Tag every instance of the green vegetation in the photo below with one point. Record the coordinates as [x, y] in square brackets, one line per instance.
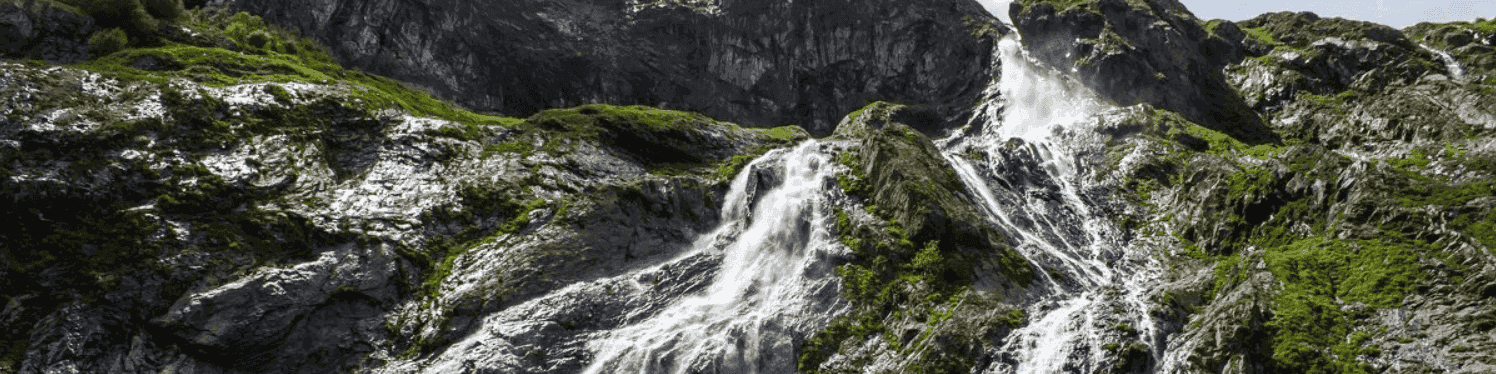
[1299, 30]
[1215, 142]
[1311, 329]
[12, 352]
[269, 54]
[108, 41]
[1261, 35]
[786, 133]
[1325, 276]
[1416, 160]
[1213, 25]
[914, 259]
[1319, 276]
[141, 18]
[1062, 6]
[515, 145]
[478, 201]
[238, 226]
[726, 170]
[1337, 103]
[1486, 26]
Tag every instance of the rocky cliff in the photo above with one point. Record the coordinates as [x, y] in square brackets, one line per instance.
[1107, 186]
[756, 63]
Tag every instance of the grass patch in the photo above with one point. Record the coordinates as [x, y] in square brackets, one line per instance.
[1215, 142]
[1415, 160]
[786, 133]
[1320, 275]
[1261, 34]
[239, 48]
[1337, 103]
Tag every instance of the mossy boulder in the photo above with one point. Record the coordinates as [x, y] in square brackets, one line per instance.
[909, 181]
[907, 177]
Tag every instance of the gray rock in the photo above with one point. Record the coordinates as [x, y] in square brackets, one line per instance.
[758, 64]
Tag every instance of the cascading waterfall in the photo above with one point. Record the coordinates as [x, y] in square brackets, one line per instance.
[1449, 62]
[766, 294]
[1030, 179]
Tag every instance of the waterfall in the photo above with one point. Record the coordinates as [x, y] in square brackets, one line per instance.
[769, 291]
[1449, 62]
[1034, 139]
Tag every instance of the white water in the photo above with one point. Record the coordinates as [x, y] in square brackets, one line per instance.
[1449, 62]
[1037, 200]
[764, 295]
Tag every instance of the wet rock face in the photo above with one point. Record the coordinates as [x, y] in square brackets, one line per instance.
[756, 63]
[1152, 52]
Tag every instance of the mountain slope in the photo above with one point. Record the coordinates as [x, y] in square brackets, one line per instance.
[1109, 186]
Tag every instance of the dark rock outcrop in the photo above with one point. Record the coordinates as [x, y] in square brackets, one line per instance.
[756, 63]
[32, 29]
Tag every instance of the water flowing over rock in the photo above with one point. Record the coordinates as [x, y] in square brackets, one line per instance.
[1032, 162]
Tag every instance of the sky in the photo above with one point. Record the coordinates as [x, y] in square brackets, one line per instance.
[1395, 13]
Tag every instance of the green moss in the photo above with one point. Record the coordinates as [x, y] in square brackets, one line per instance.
[1319, 275]
[1249, 183]
[1261, 35]
[281, 56]
[730, 168]
[141, 18]
[516, 145]
[108, 41]
[1416, 159]
[1482, 230]
[1216, 142]
[1337, 103]
[918, 252]
[441, 252]
[851, 182]
[1062, 6]
[280, 94]
[787, 133]
[1428, 192]
[594, 117]
[1213, 25]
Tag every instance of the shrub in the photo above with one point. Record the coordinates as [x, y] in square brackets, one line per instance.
[259, 39]
[139, 19]
[108, 41]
